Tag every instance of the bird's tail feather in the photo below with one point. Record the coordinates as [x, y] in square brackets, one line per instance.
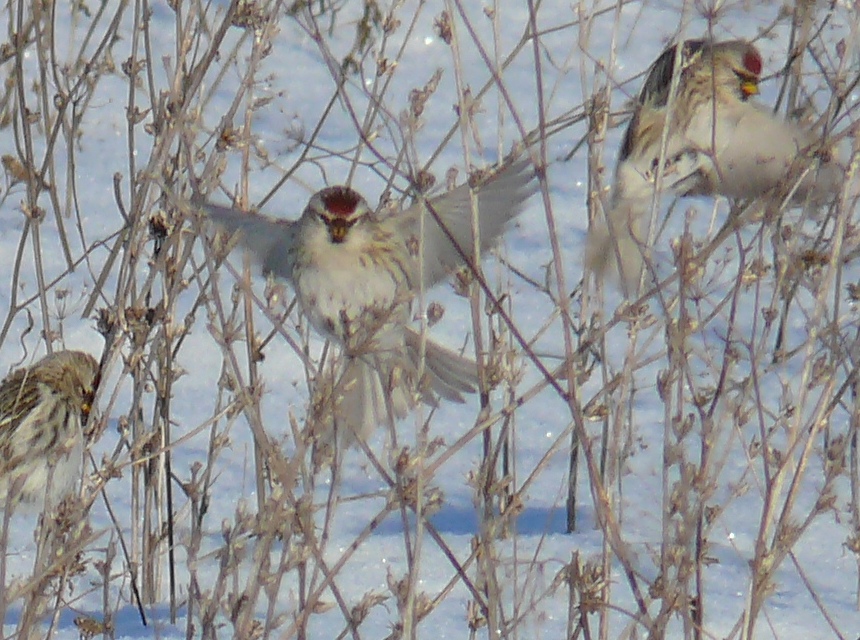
[614, 246]
[377, 389]
[361, 397]
[449, 375]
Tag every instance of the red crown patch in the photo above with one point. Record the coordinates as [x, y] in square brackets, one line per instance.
[752, 62]
[340, 201]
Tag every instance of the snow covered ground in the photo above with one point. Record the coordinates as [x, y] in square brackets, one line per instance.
[797, 406]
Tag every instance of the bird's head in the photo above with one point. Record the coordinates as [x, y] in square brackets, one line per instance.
[743, 61]
[82, 375]
[72, 374]
[733, 64]
[338, 208]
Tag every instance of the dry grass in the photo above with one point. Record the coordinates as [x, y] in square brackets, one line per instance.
[735, 382]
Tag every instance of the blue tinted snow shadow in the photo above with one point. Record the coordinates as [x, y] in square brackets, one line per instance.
[463, 520]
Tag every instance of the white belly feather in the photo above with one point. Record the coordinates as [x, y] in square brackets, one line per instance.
[348, 296]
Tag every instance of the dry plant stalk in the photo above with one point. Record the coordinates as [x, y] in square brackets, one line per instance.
[683, 378]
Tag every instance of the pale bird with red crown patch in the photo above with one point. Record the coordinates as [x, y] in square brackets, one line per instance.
[719, 142]
[356, 272]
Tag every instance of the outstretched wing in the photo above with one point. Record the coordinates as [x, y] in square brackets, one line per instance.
[499, 200]
[270, 240]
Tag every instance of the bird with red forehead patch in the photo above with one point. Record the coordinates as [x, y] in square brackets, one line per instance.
[696, 131]
[356, 272]
[706, 70]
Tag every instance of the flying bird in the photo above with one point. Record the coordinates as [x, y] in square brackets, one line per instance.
[356, 273]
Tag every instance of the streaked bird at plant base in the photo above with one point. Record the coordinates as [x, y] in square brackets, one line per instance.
[356, 272]
[43, 408]
[718, 141]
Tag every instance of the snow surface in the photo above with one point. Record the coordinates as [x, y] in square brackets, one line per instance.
[298, 88]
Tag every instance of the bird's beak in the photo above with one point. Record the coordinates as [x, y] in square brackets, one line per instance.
[749, 88]
[87, 404]
[337, 229]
